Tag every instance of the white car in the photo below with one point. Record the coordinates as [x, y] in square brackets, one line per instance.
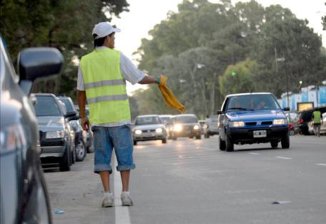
[148, 128]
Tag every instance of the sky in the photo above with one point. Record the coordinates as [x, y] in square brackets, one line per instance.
[145, 14]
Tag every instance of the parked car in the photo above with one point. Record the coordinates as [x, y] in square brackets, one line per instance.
[87, 135]
[248, 118]
[186, 125]
[79, 140]
[56, 136]
[23, 192]
[149, 127]
[212, 128]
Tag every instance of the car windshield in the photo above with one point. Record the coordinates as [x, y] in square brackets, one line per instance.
[252, 102]
[186, 119]
[46, 106]
[147, 120]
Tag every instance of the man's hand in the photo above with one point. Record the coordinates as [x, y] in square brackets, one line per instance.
[84, 123]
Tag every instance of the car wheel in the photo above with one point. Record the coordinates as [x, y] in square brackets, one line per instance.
[164, 141]
[80, 151]
[274, 144]
[229, 146]
[285, 142]
[221, 144]
[135, 142]
[65, 162]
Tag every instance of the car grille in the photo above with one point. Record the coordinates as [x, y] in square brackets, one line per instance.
[259, 123]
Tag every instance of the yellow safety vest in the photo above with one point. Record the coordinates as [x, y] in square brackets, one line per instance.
[316, 117]
[105, 87]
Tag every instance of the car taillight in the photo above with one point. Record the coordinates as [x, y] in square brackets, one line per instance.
[301, 121]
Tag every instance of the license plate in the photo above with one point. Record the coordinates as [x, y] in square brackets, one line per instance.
[260, 134]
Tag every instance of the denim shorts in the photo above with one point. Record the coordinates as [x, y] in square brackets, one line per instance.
[107, 139]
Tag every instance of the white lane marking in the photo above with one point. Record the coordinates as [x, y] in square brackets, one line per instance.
[121, 212]
[253, 153]
[283, 157]
[321, 164]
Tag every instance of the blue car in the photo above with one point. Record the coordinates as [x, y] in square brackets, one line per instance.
[249, 118]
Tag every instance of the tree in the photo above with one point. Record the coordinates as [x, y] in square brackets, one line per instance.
[238, 78]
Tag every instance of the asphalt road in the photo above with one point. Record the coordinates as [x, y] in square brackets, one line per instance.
[191, 181]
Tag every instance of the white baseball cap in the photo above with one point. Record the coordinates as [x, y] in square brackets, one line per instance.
[104, 29]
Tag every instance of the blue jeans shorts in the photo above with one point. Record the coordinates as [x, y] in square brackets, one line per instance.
[107, 139]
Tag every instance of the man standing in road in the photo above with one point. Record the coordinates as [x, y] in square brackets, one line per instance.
[316, 120]
[101, 82]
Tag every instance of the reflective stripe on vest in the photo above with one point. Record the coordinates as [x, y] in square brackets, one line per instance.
[105, 87]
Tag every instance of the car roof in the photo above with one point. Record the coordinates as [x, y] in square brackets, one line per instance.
[246, 94]
[148, 115]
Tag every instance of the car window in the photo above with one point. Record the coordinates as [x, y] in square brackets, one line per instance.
[186, 119]
[47, 106]
[69, 106]
[147, 120]
[252, 102]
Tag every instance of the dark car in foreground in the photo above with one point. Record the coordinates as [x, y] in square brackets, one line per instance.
[186, 125]
[23, 192]
[248, 118]
[149, 127]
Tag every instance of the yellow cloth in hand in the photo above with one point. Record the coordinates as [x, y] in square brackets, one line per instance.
[168, 96]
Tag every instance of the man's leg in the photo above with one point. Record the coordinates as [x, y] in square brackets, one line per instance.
[125, 175]
[105, 178]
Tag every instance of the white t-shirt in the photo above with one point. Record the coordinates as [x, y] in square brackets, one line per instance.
[128, 70]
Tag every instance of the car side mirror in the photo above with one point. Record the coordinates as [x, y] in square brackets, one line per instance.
[37, 62]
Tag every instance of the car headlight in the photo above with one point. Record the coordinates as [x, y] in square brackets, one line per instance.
[196, 127]
[55, 134]
[158, 130]
[280, 121]
[177, 128]
[138, 132]
[236, 124]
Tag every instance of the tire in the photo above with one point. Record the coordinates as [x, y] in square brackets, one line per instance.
[135, 142]
[285, 142]
[65, 162]
[80, 151]
[164, 141]
[221, 144]
[90, 149]
[229, 146]
[274, 144]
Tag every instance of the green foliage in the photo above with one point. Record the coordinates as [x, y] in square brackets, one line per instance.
[238, 78]
[63, 24]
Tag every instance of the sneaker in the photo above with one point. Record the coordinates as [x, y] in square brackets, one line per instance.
[125, 199]
[108, 201]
